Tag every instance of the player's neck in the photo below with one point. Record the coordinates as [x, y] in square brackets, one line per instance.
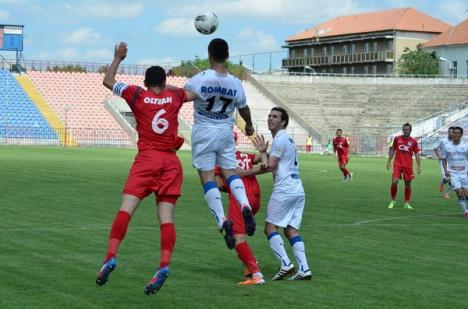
[218, 67]
[156, 90]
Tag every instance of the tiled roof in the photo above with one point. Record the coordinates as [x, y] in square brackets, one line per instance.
[404, 19]
[457, 35]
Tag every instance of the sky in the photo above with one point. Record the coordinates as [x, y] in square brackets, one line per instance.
[159, 32]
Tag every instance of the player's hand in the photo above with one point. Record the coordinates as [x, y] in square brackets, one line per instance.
[259, 143]
[447, 174]
[418, 170]
[249, 130]
[388, 166]
[120, 51]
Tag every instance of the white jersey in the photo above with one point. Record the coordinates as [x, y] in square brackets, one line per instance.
[219, 95]
[456, 156]
[441, 144]
[286, 176]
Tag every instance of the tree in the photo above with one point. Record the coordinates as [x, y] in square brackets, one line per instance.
[190, 68]
[418, 62]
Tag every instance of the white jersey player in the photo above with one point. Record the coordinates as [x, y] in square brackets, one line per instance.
[287, 200]
[439, 147]
[455, 163]
[218, 95]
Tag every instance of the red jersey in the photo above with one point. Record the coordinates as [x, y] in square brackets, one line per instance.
[156, 115]
[403, 149]
[341, 146]
[244, 162]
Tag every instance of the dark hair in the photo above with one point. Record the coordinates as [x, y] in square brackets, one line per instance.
[218, 50]
[155, 76]
[339, 130]
[407, 125]
[451, 128]
[284, 115]
[458, 128]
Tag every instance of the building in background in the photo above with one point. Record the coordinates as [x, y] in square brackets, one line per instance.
[368, 43]
[451, 48]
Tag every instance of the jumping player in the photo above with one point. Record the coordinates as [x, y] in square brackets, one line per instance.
[218, 95]
[341, 150]
[403, 148]
[156, 168]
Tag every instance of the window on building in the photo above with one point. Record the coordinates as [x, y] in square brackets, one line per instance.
[466, 68]
[374, 46]
[311, 52]
[374, 69]
[306, 52]
[351, 70]
[344, 70]
[353, 48]
[292, 53]
[366, 47]
[366, 69]
[332, 50]
[324, 51]
[324, 70]
[389, 45]
[345, 49]
[454, 68]
[388, 68]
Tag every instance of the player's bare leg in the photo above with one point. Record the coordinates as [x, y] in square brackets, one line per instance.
[462, 195]
[213, 199]
[117, 233]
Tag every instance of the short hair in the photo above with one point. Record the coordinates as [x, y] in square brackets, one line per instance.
[284, 115]
[339, 130]
[451, 128]
[218, 50]
[458, 128]
[155, 76]
[407, 125]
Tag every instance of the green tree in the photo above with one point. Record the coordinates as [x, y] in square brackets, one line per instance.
[418, 62]
[190, 68]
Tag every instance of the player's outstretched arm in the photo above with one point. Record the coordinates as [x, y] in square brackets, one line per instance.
[120, 52]
[418, 162]
[244, 112]
[191, 96]
[390, 157]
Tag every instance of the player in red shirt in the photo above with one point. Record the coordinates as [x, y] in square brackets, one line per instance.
[341, 150]
[156, 168]
[245, 163]
[403, 148]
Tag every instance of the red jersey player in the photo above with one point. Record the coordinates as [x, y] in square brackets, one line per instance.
[156, 168]
[341, 150]
[403, 148]
[245, 163]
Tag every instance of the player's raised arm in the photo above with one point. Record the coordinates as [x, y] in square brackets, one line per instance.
[244, 112]
[120, 52]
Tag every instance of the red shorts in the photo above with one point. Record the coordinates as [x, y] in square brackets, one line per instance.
[343, 160]
[235, 214]
[405, 173]
[155, 171]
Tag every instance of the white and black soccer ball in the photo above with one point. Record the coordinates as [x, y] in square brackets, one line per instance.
[206, 23]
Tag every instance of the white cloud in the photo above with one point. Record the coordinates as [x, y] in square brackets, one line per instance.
[4, 14]
[75, 55]
[256, 41]
[177, 27]
[83, 36]
[110, 9]
[454, 10]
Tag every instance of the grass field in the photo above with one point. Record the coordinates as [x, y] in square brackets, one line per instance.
[57, 206]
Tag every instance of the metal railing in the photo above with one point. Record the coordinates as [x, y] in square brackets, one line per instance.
[339, 59]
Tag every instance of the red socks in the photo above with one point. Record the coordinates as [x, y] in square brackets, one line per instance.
[117, 233]
[393, 191]
[168, 239]
[407, 195]
[246, 256]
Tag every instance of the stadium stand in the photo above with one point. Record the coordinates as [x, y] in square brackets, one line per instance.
[20, 121]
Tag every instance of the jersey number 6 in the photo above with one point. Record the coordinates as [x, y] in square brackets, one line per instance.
[159, 125]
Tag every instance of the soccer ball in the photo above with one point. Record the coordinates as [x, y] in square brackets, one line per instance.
[206, 23]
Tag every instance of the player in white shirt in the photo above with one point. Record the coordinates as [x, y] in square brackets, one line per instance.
[219, 94]
[439, 147]
[287, 200]
[454, 161]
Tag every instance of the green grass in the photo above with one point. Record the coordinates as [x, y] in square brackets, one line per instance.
[57, 206]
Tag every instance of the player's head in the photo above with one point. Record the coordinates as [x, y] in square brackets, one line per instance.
[450, 133]
[457, 134]
[278, 119]
[406, 129]
[155, 76]
[339, 132]
[218, 50]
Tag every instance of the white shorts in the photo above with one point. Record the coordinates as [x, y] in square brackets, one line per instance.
[285, 210]
[213, 146]
[459, 180]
